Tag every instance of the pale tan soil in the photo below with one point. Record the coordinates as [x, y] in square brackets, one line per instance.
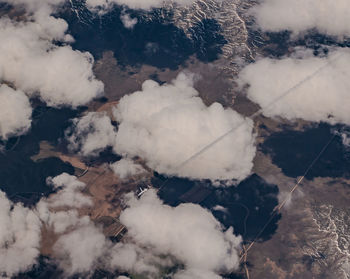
[211, 82]
[102, 185]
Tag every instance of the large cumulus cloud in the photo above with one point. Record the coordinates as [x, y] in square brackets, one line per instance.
[188, 232]
[322, 92]
[36, 59]
[327, 16]
[57, 74]
[15, 112]
[165, 125]
[20, 235]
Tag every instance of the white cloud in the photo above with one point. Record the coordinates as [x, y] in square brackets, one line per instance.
[19, 237]
[345, 139]
[287, 198]
[32, 63]
[344, 134]
[195, 273]
[30, 59]
[80, 243]
[59, 75]
[69, 193]
[15, 112]
[188, 232]
[323, 97]
[165, 125]
[91, 134]
[35, 5]
[39, 11]
[103, 5]
[128, 22]
[67, 220]
[59, 210]
[132, 258]
[79, 250]
[82, 247]
[126, 167]
[327, 16]
[158, 236]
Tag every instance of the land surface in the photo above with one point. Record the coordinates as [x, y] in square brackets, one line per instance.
[312, 239]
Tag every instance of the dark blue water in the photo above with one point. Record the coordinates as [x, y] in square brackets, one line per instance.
[153, 41]
[44, 269]
[172, 188]
[22, 178]
[233, 276]
[249, 205]
[293, 152]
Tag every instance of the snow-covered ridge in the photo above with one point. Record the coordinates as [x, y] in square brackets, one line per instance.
[231, 15]
[335, 225]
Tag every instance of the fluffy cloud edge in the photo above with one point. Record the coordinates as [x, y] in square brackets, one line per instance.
[300, 16]
[317, 87]
[145, 118]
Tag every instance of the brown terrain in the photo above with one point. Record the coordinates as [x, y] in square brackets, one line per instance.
[312, 239]
[212, 84]
[102, 185]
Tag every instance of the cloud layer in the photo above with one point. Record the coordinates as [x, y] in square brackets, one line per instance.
[167, 124]
[15, 112]
[327, 16]
[158, 236]
[322, 97]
